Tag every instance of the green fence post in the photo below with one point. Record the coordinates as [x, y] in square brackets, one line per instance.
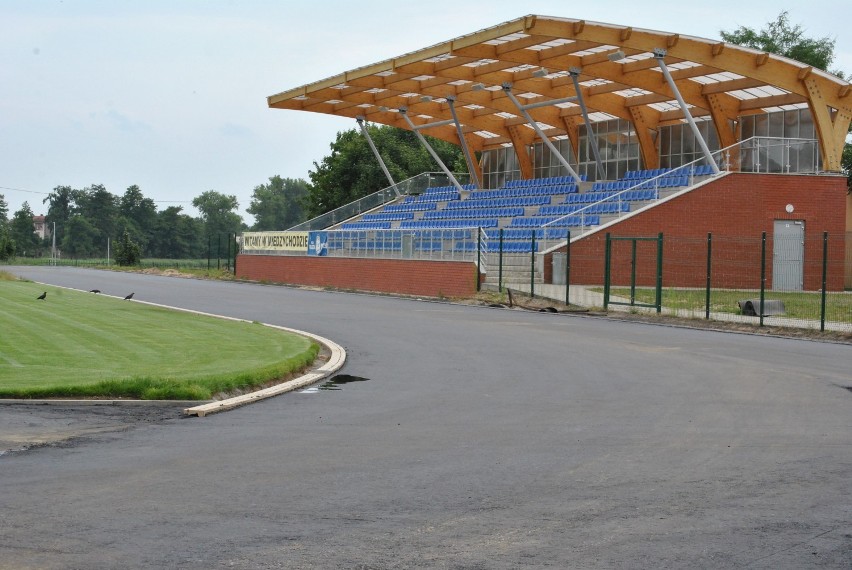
[762, 274]
[218, 251]
[500, 271]
[532, 266]
[660, 274]
[607, 248]
[568, 269]
[709, 256]
[824, 280]
[208, 252]
[633, 272]
[478, 259]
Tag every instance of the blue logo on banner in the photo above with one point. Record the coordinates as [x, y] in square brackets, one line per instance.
[318, 243]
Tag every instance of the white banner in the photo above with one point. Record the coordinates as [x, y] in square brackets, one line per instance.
[275, 241]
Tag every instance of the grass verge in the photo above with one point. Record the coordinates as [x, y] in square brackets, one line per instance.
[797, 305]
[75, 344]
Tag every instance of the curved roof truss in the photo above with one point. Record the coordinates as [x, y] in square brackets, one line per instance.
[717, 80]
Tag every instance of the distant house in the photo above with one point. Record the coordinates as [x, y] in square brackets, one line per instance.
[41, 227]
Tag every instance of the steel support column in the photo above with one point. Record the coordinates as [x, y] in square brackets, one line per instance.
[404, 112]
[471, 167]
[659, 54]
[508, 89]
[376, 153]
[574, 72]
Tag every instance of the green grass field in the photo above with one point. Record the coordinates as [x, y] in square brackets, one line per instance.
[801, 305]
[75, 344]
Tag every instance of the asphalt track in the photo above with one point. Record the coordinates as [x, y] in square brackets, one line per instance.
[481, 438]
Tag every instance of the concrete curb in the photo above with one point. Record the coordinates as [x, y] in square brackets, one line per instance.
[335, 363]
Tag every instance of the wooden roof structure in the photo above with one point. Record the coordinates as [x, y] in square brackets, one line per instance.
[717, 80]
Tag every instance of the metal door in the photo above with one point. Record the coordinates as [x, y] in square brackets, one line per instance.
[788, 255]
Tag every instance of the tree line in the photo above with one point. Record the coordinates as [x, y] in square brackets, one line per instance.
[86, 219]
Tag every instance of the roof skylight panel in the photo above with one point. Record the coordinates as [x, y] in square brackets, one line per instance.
[506, 39]
[440, 58]
[550, 45]
[522, 67]
[479, 62]
[596, 49]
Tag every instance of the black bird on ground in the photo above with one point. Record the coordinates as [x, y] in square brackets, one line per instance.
[42, 296]
[95, 291]
[129, 297]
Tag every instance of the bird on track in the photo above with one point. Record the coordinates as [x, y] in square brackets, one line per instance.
[129, 297]
[42, 296]
[95, 291]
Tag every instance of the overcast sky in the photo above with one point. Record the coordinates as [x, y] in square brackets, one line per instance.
[171, 95]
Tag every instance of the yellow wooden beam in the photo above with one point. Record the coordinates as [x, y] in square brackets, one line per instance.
[644, 123]
[522, 152]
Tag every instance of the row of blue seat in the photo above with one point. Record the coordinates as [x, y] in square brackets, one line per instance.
[526, 201]
[397, 235]
[564, 221]
[434, 189]
[388, 217]
[411, 207]
[450, 224]
[542, 181]
[366, 225]
[613, 207]
[526, 191]
[494, 246]
[588, 197]
[527, 233]
[433, 197]
[474, 213]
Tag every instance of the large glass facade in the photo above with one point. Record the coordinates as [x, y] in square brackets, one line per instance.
[499, 166]
[789, 144]
[618, 148]
[677, 144]
[546, 165]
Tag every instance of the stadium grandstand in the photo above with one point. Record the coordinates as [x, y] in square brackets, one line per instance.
[573, 131]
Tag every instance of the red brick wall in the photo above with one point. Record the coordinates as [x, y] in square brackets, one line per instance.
[408, 277]
[735, 209]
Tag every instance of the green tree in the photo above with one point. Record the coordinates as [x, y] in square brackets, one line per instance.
[60, 207]
[177, 235]
[22, 232]
[351, 171]
[127, 251]
[137, 215]
[100, 208]
[4, 211]
[218, 216]
[82, 238]
[781, 38]
[278, 205]
[7, 244]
